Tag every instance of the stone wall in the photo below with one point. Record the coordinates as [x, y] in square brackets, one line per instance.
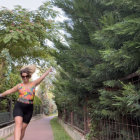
[76, 135]
[4, 132]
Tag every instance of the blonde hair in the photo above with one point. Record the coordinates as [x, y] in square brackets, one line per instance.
[29, 69]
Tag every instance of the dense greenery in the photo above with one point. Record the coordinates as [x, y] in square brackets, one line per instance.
[37, 101]
[102, 46]
[24, 32]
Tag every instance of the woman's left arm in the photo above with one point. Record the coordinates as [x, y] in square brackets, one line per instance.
[38, 81]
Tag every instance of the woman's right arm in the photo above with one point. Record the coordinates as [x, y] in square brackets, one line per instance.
[10, 91]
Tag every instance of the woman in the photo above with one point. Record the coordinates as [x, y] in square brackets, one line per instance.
[23, 109]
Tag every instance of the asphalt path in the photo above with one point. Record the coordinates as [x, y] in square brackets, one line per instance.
[39, 129]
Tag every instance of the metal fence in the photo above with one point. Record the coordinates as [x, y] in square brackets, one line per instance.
[125, 128]
[78, 119]
[120, 128]
[5, 118]
[6, 115]
[37, 110]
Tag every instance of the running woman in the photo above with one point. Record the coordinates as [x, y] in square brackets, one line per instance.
[23, 108]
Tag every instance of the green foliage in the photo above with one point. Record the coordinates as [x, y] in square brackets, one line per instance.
[123, 101]
[14, 79]
[128, 100]
[37, 101]
[112, 83]
[24, 32]
[6, 61]
[102, 47]
[23, 36]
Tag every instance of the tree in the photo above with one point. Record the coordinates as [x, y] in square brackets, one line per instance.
[24, 32]
[23, 36]
[103, 46]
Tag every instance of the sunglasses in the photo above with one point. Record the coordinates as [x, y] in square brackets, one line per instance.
[27, 76]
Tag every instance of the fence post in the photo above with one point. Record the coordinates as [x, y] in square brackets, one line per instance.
[41, 112]
[64, 115]
[88, 123]
[10, 109]
[85, 119]
[71, 118]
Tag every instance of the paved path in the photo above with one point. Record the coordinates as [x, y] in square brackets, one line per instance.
[38, 130]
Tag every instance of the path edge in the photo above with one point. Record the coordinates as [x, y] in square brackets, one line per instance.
[75, 135]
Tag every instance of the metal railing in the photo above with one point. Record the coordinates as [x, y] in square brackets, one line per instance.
[78, 119]
[37, 110]
[5, 118]
[6, 115]
[120, 128]
[125, 128]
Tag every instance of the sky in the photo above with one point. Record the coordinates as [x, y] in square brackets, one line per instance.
[28, 4]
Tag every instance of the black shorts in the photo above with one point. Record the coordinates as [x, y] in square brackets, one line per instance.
[23, 110]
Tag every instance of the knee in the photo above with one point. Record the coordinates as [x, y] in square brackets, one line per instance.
[19, 125]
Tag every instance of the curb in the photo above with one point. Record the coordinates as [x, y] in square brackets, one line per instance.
[75, 135]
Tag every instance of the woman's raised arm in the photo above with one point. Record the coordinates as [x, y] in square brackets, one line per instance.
[36, 82]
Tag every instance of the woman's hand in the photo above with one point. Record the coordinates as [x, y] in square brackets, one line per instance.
[50, 69]
[36, 82]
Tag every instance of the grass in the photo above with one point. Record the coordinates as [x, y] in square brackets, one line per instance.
[54, 114]
[58, 131]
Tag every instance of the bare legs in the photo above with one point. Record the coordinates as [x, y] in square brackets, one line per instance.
[24, 126]
[20, 128]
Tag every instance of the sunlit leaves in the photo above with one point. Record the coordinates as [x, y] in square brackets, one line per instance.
[22, 30]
